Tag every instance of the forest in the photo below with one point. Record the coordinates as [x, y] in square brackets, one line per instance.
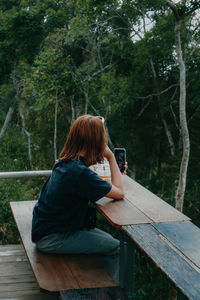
[134, 62]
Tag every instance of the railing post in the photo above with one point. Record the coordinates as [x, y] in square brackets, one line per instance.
[127, 265]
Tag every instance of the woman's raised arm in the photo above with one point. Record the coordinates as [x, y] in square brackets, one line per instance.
[117, 191]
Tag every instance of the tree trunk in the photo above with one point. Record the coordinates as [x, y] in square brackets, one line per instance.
[167, 131]
[76, 108]
[86, 100]
[55, 126]
[27, 134]
[6, 122]
[179, 196]
[72, 110]
[180, 191]
[168, 134]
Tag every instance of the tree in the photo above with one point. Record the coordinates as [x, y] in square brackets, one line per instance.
[180, 13]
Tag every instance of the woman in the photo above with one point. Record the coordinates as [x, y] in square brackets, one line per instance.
[59, 215]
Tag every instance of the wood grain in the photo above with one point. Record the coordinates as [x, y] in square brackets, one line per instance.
[14, 268]
[121, 212]
[149, 204]
[26, 293]
[55, 272]
[9, 253]
[185, 236]
[182, 274]
[87, 268]
[17, 281]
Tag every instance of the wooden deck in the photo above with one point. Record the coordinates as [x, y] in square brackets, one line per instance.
[17, 281]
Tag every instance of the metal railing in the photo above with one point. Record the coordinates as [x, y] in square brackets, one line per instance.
[21, 174]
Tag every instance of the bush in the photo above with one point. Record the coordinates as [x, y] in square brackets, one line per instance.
[14, 190]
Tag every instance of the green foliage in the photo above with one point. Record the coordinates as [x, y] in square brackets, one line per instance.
[21, 190]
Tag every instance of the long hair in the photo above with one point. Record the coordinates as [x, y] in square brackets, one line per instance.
[87, 139]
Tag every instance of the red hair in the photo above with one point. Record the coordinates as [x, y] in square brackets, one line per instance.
[87, 139]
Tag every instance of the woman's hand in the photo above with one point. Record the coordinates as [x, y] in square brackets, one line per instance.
[109, 155]
[125, 167]
[117, 190]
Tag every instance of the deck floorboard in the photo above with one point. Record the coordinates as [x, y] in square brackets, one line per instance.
[17, 281]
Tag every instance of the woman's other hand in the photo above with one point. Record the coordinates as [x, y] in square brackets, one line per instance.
[126, 167]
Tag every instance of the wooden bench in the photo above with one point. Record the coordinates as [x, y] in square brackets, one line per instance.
[67, 275]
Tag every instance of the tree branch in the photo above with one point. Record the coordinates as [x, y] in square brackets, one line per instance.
[173, 8]
[143, 109]
[158, 94]
[6, 122]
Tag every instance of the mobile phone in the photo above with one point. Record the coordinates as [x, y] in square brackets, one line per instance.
[120, 156]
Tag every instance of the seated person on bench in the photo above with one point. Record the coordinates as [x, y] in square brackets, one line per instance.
[59, 214]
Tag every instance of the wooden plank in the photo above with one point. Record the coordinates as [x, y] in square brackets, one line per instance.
[11, 247]
[14, 268]
[149, 204]
[169, 261]
[53, 272]
[111, 293]
[121, 212]
[5, 295]
[185, 236]
[15, 280]
[86, 268]
[12, 258]
[20, 286]
[11, 254]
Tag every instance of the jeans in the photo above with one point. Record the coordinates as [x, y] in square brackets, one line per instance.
[84, 241]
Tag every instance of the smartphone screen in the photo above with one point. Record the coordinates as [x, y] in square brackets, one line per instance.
[120, 156]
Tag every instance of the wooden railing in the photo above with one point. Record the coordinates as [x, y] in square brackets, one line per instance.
[166, 236]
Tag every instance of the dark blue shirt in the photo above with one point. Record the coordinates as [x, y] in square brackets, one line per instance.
[64, 198]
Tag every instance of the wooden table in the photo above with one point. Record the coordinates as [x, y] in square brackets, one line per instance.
[140, 206]
[167, 236]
